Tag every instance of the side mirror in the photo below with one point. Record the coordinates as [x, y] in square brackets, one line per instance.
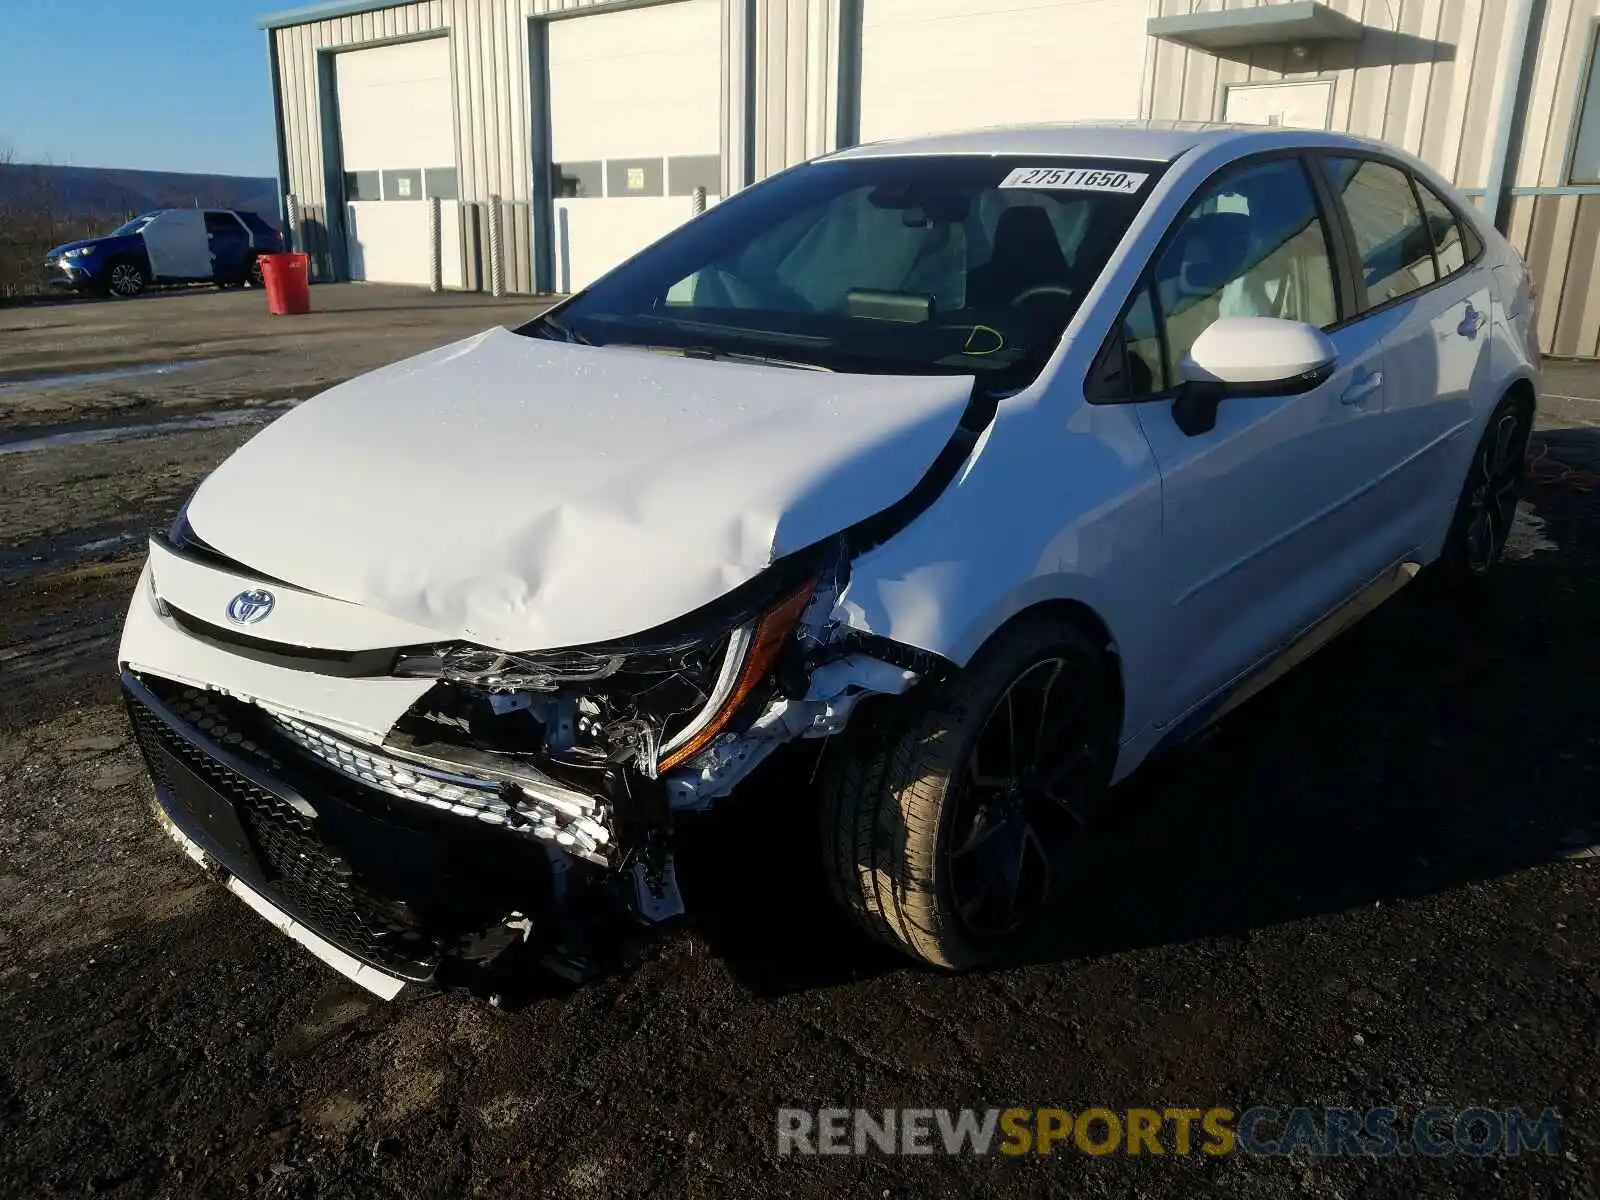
[1249, 356]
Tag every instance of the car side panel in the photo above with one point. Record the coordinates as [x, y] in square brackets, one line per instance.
[114, 249]
[1271, 520]
[1059, 502]
[1092, 532]
[1506, 352]
[1439, 366]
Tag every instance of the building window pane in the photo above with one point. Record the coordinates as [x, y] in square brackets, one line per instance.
[402, 185]
[577, 180]
[1252, 245]
[1396, 248]
[441, 182]
[635, 177]
[689, 171]
[1586, 149]
[361, 185]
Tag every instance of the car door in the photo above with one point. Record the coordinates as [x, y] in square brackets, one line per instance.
[1264, 526]
[229, 243]
[1421, 286]
[176, 244]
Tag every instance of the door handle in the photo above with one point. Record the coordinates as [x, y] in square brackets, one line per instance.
[1471, 323]
[1358, 392]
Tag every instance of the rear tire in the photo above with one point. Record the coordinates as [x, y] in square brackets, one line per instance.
[1487, 507]
[250, 279]
[948, 822]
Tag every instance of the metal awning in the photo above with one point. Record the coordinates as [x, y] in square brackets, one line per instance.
[1297, 21]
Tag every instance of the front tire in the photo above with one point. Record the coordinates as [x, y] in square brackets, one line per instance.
[948, 824]
[126, 279]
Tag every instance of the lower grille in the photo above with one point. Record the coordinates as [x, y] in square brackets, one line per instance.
[575, 830]
[301, 873]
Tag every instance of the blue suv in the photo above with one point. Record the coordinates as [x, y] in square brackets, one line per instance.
[173, 245]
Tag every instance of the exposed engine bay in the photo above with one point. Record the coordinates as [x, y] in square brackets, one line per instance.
[582, 757]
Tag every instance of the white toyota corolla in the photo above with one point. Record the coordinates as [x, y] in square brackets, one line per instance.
[1002, 459]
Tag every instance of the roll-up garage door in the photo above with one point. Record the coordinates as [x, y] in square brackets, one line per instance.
[934, 65]
[397, 138]
[635, 128]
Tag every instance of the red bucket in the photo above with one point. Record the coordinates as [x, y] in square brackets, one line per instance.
[288, 280]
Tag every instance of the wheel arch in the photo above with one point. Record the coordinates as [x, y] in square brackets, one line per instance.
[1086, 618]
[958, 636]
[1522, 391]
[129, 254]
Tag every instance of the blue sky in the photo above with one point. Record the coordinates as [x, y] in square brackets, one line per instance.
[164, 85]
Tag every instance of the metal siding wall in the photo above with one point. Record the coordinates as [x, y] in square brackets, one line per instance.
[1555, 76]
[1559, 235]
[1445, 110]
[1427, 76]
[796, 80]
[490, 65]
[795, 101]
[738, 135]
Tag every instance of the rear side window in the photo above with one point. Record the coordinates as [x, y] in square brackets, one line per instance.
[222, 222]
[1395, 246]
[255, 223]
[1451, 244]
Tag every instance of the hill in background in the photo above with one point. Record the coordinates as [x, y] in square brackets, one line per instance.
[115, 194]
[43, 206]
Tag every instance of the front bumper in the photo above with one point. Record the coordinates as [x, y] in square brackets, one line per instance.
[384, 892]
[67, 273]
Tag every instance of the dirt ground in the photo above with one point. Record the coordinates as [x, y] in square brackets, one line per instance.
[1377, 884]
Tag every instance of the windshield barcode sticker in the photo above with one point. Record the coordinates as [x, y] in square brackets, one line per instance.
[1075, 179]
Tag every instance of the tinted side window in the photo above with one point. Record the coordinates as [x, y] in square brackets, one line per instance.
[1449, 242]
[1252, 245]
[1141, 335]
[222, 222]
[1396, 248]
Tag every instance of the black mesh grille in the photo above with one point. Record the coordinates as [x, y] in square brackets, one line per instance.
[303, 874]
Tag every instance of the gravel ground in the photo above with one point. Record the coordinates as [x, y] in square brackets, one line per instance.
[1371, 887]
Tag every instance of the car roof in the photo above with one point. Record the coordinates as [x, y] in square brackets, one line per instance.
[1147, 141]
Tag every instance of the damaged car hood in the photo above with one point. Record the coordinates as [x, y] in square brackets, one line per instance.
[527, 494]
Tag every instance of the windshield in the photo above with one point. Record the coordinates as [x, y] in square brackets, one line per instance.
[133, 226]
[915, 265]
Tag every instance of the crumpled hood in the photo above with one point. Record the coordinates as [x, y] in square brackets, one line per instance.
[527, 494]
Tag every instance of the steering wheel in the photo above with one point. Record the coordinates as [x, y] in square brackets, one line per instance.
[1043, 289]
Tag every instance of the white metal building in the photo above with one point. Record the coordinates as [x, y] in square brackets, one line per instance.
[592, 122]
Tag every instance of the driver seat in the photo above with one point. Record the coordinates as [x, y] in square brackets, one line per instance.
[1027, 253]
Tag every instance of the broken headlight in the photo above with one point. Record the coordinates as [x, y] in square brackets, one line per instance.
[497, 671]
[655, 701]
